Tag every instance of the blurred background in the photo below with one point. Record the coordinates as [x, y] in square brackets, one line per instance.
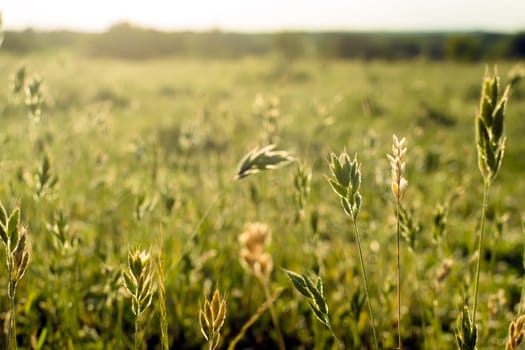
[393, 29]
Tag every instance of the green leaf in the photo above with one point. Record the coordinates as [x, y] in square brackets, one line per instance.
[3, 215]
[497, 125]
[346, 206]
[13, 229]
[129, 283]
[316, 294]
[357, 201]
[486, 110]
[323, 318]
[298, 283]
[338, 189]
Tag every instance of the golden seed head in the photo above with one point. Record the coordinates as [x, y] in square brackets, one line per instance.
[212, 317]
[397, 163]
[255, 237]
[516, 333]
[252, 254]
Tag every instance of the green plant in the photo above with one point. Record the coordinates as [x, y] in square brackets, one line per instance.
[467, 332]
[490, 142]
[315, 294]
[302, 184]
[345, 181]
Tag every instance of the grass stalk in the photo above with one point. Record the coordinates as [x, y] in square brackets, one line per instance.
[480, 248]
[260, 310]
[365, 280]
[162, 296]
[398, 275]
[11, 332]
[399, 184]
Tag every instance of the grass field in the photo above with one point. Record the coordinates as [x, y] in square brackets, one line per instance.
[149, 149]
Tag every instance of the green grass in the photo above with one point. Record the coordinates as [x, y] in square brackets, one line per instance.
[175, 129]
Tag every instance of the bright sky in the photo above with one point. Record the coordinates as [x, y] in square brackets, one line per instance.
[268, 15]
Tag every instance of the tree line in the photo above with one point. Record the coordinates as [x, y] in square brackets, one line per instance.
[128, 41]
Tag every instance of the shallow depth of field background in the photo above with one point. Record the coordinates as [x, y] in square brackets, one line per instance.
[144, 130]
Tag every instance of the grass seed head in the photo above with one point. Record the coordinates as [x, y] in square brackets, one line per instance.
[252, 254]
[139, 280]
[212, 317]
[397, 163]
[490, 137]
[265, 158]
[516, 333]
[345, 181]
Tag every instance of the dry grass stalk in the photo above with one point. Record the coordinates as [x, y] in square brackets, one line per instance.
[139, 283]
[516, 333]
[399, 184]
[14, 237]
[211, 319]
[397, 163]
[162, 296]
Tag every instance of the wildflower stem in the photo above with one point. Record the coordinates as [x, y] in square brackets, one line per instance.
[480, 247]
[400, 346]
[365, 279]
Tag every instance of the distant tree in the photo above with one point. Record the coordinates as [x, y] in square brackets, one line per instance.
[515, 46]
[463, 48]
[290, 45]
[128, 41]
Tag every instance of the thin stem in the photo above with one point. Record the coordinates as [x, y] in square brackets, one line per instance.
[363, 271]
[11, 333]
[400, 346]
[338, 341]
[520, 306]
[162, 295]
[254, 318]
[480, 247]
[275, 320]
[137, 346]
[137, 340]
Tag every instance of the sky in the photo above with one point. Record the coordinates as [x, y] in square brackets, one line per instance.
[268, 15]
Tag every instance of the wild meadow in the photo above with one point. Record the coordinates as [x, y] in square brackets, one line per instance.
[156, 214]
